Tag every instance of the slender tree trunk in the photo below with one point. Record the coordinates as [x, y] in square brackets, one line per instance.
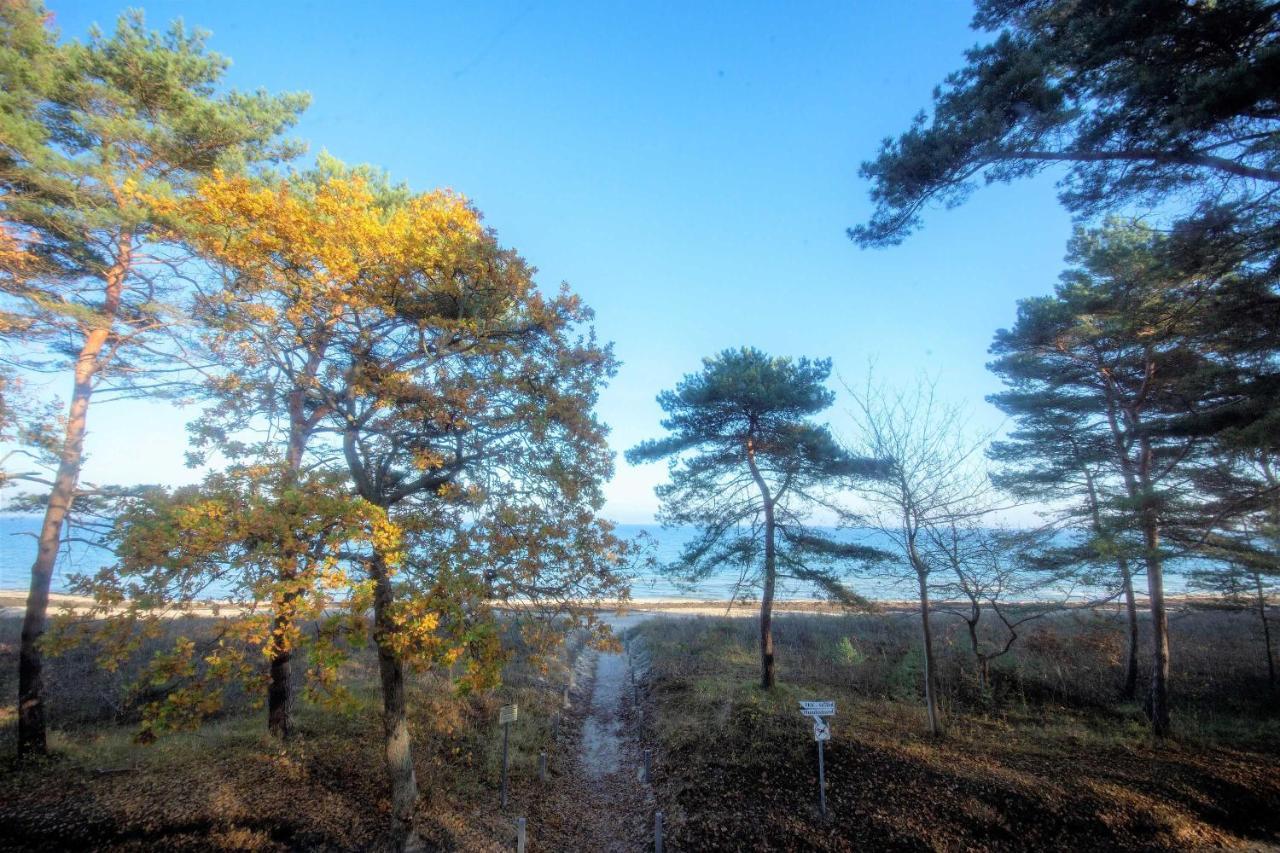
[1158, 701]
[1266, 629]
[1138, 488]
[395, 722]
[926, 633]
[31, 712]
[1130, 687]
[1269, 473]
[984, 681]
[767, 675]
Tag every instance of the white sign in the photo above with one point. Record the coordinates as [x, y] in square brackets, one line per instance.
[507, 714]
[818, 709]
[821, 731]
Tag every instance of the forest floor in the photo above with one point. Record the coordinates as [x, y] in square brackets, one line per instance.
[1046, 759]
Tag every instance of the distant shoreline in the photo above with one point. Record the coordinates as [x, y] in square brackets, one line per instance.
[13, 603]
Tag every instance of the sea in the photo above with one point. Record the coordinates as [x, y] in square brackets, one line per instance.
[17, 550]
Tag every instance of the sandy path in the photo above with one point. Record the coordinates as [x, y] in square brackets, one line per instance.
[597, 801]
[602, 733]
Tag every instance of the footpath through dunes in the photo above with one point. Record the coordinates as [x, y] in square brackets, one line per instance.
[598, 798]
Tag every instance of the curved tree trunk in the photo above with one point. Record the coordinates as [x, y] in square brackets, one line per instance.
[32, 738]
[301, 426]
[767, 675]
[395, 723]
[1138, 488]
[31, 716]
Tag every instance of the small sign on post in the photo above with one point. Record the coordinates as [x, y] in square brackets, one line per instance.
[821, 733]
[506, 716]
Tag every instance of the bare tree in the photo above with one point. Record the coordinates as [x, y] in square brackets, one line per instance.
[936, 482]
[987, 573]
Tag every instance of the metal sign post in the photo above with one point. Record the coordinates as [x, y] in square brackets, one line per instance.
[821, 734]
[506, 717]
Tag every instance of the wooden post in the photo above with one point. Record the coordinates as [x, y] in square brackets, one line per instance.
[542, 766]
[657, 832]
[506, 730]
[520, 835]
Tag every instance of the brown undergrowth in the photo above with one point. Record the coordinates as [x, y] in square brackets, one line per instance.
[230, 786]
[1047, 760]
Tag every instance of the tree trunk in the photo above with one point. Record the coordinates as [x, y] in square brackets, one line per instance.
[1138, 488]
[32, 738]
[395, 723]
[1130, 687]
[1266, 629]
[1158, 701]
[280, 689]
[983, 662]
[767, 675]
[926, 631]
[1269, 472]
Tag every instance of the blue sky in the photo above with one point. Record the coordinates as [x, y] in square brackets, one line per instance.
[690, 169]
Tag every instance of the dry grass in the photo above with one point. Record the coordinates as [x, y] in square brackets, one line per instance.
[1047, 760]
[230, 786]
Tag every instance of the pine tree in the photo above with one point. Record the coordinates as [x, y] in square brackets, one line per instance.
[748, 467]
[125, 118]
[1141, 102]
[1114, 354]
[1053, 456]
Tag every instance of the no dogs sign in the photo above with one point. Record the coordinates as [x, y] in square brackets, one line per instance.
[821, 730]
